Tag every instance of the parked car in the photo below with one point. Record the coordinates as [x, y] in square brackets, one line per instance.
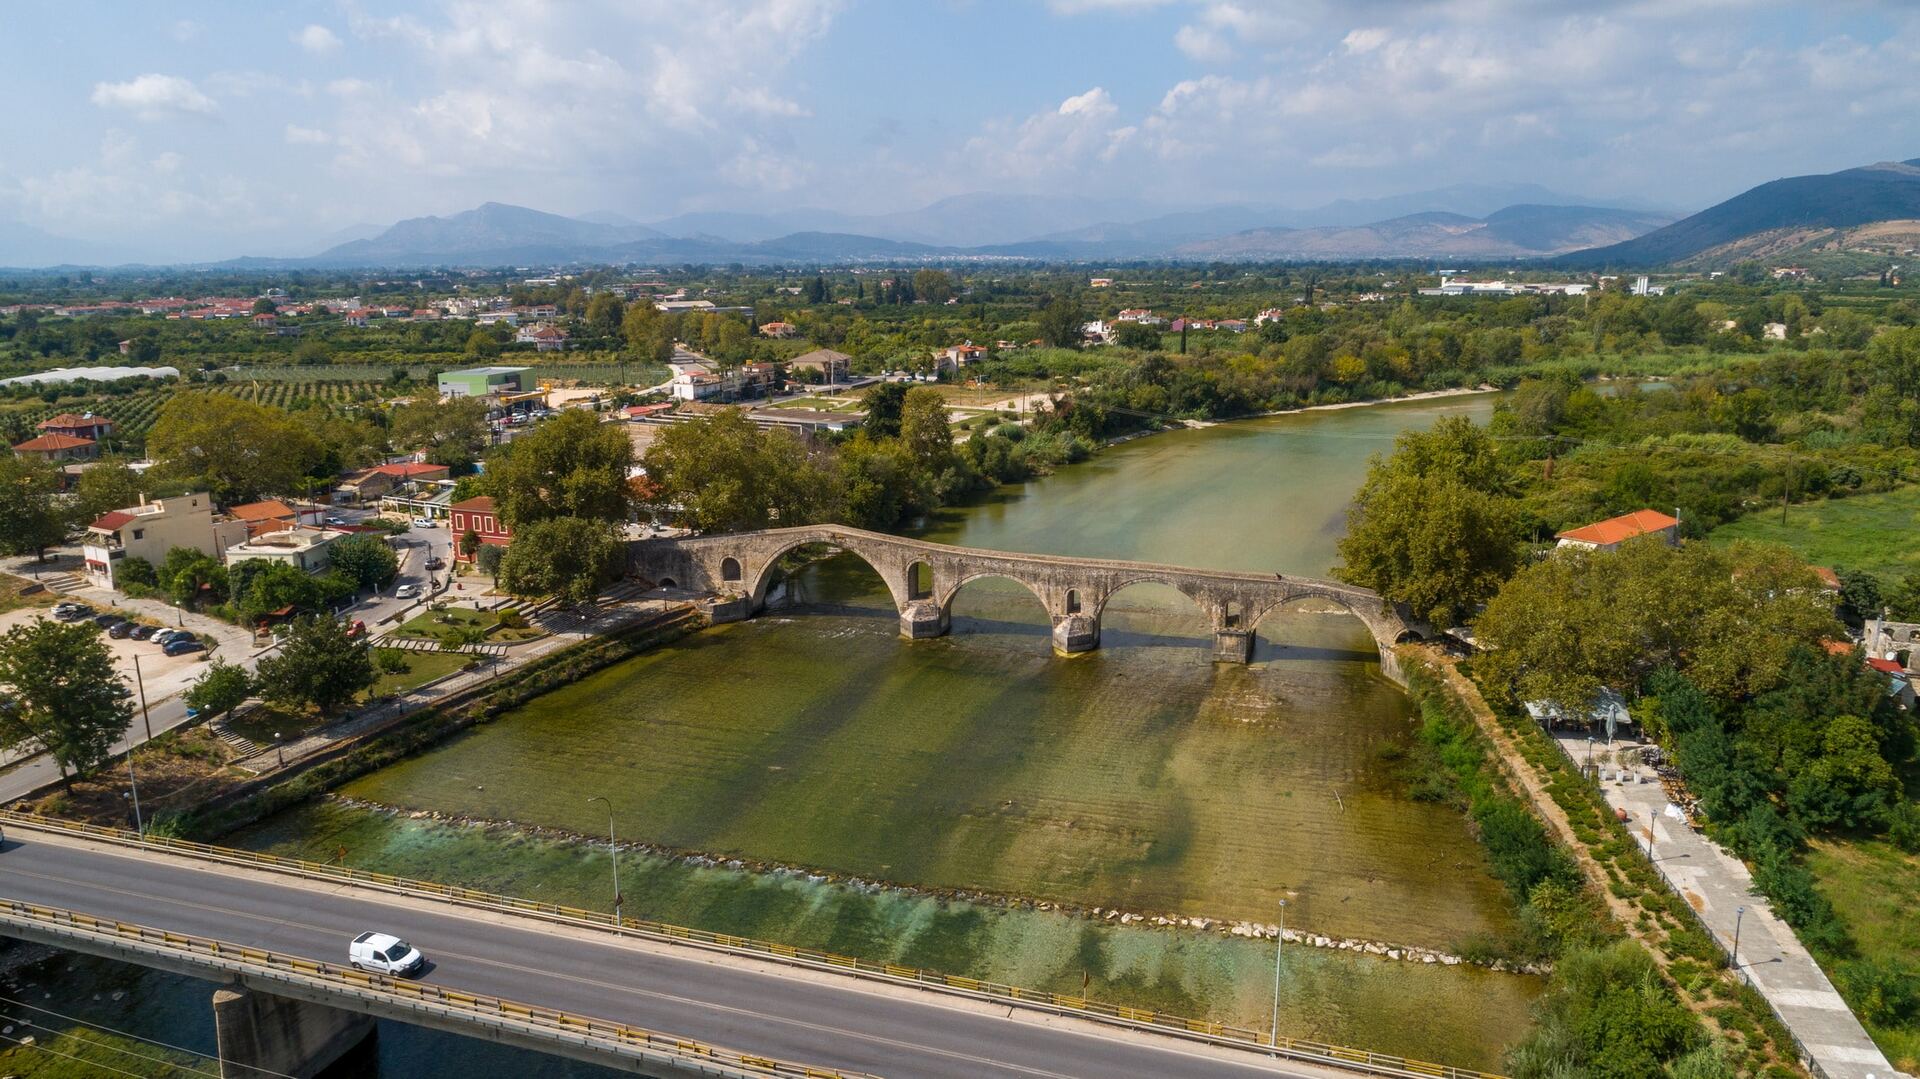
[182, 647]
[106, 620]
[120, 631]
[406, 591]
[162, 636]
[357, 630]
[423, 522]
[333, 520]
[384, 953]
[436, 562]
[143, 631]
[71, 612]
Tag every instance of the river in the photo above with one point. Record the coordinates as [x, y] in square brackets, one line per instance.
[941, 803]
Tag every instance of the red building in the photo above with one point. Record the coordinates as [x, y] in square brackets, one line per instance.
[88, 426]
[477, 515]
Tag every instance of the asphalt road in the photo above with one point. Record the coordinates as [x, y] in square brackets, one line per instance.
[805, 1017]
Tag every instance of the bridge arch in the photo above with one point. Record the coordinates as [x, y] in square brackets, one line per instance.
[764, 576]
[1385, 628]
[945, 600]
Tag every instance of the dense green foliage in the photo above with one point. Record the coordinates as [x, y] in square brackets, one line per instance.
[317, 665]
[62, 694]
[568, 557]
[221, 688]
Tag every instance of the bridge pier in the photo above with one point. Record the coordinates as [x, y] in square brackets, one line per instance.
[1076, 633]
[1232, 646]
[262, 1035]
[923, 619]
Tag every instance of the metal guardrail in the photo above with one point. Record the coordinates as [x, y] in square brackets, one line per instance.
[1222, 1034]
[554, 1025]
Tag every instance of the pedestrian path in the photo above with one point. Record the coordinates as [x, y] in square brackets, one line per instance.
[1720, 889]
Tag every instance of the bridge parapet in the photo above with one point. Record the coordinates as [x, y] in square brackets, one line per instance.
[923, 577]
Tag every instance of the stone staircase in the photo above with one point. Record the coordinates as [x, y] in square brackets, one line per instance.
[242, 747]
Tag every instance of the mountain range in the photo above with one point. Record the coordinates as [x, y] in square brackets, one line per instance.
[1874, 207]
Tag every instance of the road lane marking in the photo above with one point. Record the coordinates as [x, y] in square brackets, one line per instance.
[345, 891]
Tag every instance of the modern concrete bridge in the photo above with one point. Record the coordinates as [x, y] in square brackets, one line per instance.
[276, 935]
[923, 578]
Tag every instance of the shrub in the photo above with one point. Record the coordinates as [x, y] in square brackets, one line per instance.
[1886, 992]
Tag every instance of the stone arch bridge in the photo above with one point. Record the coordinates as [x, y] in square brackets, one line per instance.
[923, 578]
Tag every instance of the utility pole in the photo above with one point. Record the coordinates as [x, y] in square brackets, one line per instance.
[140, 684]
[139, 826]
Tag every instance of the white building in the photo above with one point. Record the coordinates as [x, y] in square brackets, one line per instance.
[305, 549]
[151, 529]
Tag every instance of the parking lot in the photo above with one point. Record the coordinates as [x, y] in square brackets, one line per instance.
[162, 675]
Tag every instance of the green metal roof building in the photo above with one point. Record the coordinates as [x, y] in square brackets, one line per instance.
[482, 381]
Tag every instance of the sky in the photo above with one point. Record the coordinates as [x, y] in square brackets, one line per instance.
[183, 132]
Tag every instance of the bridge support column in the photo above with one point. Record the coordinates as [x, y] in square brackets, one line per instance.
[727, 607]
[1076, 633]
[261, 1035]
[923, 619]
[1232, 646]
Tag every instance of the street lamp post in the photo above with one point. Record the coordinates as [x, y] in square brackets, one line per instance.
[280, 750]
[1589, 752]
[613, 849]
[1738, 914]
[1279, 941]
[141, 684]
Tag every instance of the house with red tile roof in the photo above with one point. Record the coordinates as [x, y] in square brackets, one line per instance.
[55, 447]
[1611, 533]
[78, 425]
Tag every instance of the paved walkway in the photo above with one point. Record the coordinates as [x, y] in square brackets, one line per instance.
[1717, 885]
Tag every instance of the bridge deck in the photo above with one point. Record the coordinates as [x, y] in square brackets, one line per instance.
[799, 1015]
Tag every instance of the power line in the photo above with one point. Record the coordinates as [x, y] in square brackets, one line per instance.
[111, 1048]
[110, 1030]
[70, 1056]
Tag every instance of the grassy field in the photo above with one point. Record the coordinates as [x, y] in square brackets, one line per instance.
[12, 599]
[1873, 885]
[1872, 532]
[442, 624]
[422, 667]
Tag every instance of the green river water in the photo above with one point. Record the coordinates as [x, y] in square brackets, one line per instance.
[929, 802]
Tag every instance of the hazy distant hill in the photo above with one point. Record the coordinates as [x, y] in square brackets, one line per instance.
[489, 230]
[1526, 231]
[1774, 216]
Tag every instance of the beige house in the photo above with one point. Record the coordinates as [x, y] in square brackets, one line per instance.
[831, 365]
[151, 529]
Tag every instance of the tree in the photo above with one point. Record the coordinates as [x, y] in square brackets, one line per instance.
[311, 353]
[1860, 597]
[365, 558]
[487, 558]
[221, 688]
[571, 466]
[452, 432]
[1730, 618]
[562, 556]
[482, 345]
[1062, 323]
[318, 665]
[724, 474]
[239, 449]
[883, 482]
[469, 543]
[191, 576]
[63, 694]
[107, 486]
[882, 404]
[647, 333]
[933, 286]
[264, 306]
[1136, 335]
[604, 314]
[1432, 526]
[268, 585]
[1608, 1014]
[30, 519]
[925, 429]
[136, 571]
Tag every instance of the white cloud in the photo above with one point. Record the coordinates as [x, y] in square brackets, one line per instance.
[153, 97]
[1204, 45]
[317, 39]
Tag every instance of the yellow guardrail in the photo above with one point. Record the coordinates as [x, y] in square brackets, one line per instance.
[1226, 1034]
[619, 1035]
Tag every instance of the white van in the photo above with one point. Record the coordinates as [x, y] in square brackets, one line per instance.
[384, 953]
